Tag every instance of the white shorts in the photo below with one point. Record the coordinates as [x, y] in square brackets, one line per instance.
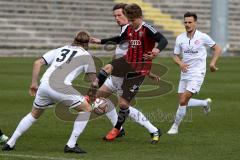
[193, 86]
[46, 96]
[114, 84]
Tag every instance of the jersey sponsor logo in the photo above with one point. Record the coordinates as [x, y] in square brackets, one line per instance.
[190, 51]
[135, 43]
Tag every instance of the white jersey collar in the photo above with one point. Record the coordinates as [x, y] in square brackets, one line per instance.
[196, 31]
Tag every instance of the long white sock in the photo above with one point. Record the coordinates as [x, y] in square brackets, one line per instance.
[112, 113]
[180, 115]
[78, 127]
[196, 102]
[138, 117]
[23, 125]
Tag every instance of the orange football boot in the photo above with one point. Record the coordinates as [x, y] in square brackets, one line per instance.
[112, 134]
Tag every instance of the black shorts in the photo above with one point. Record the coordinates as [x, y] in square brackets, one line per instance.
[131, 79]
[131, 86]
[120, 67]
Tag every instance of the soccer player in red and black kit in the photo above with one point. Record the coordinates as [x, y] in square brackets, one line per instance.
[144, 44]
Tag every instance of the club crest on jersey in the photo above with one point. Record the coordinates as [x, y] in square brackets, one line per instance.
[135, 43]
[140, 34]
[197, 42]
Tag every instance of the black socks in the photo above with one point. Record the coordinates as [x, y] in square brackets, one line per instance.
[122, 115]
[102, 76]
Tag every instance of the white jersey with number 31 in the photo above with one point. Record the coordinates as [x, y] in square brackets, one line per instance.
[64, 57]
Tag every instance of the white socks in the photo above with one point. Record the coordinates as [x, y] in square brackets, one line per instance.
[196, 102]
[182, 109]
[179, 115]
[78, 127]
[112, 113]
[23, 125]
[138, 117]
[135, 114]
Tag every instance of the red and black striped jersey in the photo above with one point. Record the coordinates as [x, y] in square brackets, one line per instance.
[141, 41]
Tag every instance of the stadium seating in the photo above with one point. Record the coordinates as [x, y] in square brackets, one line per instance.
[203, 8]
[31, 27]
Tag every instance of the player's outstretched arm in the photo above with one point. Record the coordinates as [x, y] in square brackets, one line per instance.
[35, 75]
[95, 40]
[116, 39]
[216, 55]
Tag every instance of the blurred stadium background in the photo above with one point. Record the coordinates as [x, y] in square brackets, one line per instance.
[31, 27]
[28, 28]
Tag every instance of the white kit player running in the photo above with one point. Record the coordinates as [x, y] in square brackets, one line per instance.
[66, 63]
[113, 83]
[191, 44]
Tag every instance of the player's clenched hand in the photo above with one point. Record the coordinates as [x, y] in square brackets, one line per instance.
[151, 55]
[154, 77]
[95, 40]
[155, 51]
[184, 67]
[213, 68]
[33, 90]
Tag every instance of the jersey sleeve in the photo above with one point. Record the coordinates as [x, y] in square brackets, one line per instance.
[157, 36]
[208, 40]
[49, 56]
[177, 47]
[90, 65]
[117, 39]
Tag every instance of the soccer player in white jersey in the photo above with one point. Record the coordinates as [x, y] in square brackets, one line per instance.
[111, 84]
[66, 63]
[191, 44]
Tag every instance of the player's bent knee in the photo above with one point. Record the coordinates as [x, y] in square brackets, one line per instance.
[36, 112]
[123, 105]
[104, 91]
[108, 68]
[183, 101]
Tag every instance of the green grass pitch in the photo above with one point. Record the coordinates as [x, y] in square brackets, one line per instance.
[201, 137]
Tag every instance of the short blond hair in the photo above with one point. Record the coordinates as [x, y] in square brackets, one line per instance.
[82, 38]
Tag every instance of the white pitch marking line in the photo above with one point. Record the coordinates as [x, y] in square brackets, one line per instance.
[36, 157]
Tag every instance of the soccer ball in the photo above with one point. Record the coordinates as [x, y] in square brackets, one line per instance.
[100, 106]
